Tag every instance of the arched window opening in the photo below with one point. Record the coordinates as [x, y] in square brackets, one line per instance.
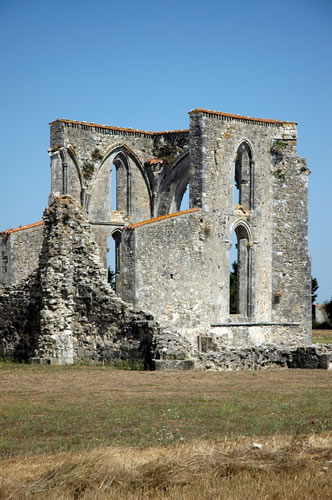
[114, 263]
[243, 177]
[240, 273]
[182, 193]
[120, 185]
[174, 191]
[184, 204]
[233, 305]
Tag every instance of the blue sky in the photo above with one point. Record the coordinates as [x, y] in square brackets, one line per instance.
[145, 65]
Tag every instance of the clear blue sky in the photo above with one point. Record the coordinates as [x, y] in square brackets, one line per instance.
[145, 64]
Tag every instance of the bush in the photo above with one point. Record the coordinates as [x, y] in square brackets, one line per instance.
[320, 326]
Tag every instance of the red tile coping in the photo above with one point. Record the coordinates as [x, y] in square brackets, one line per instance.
[239, 117]
[22, 228]
[119, 129]
[162, 217]
[157, 161]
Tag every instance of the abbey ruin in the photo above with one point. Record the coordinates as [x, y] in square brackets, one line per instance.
[246, 185]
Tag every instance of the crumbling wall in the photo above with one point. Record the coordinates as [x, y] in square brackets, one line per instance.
[177, 267]
[83, 156]
[88, 150]
[66, 311]
[291, 265]
[19, 319]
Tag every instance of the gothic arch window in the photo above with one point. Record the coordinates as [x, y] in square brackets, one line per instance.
[121, 184]
[185, 199]
[241, 272]
[244, 176]
[64, 171]
[174, 191]
[182, 194]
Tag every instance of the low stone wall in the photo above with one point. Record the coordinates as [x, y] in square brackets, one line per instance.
[19, 251]
[19, 320]
[256, 358]
[255, 333]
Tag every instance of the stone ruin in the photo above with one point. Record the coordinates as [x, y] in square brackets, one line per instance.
[247, 186]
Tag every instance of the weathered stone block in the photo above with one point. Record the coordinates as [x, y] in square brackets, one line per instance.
[166, 364]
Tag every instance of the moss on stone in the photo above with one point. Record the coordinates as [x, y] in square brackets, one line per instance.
[88, 169]
[96, 154]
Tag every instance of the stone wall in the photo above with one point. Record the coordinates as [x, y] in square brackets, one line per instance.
[83, 156]
[66, 311]
[273, 218]
[19, 320]
[175, 265]
[19, 250]
[164, 262]
[254, 358]
[178, 267]
[291, 265]
[87, 151]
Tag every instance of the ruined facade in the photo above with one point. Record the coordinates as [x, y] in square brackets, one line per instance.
[247, 187]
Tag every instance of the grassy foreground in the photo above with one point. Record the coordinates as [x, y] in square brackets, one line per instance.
[322, 336]
[96, 432]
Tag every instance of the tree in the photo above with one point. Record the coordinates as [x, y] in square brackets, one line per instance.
[111, 277]
[328, 309]
[314, 288]
[233, 289]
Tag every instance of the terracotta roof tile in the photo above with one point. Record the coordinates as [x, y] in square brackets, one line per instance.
[162, 217]
[119, 129]
[22, 228]
[157, 161]
[239, 117]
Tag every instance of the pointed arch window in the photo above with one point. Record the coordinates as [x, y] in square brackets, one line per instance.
[240, 300]
[185, 199]
[244, 177]
[121, 184]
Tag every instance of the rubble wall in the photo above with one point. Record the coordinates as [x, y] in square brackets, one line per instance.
[66, 312]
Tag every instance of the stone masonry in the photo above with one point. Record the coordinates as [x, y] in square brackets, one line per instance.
[246, 183]
[65, 311]
[19, 249]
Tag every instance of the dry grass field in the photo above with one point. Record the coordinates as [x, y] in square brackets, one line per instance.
[322, 336]
[96, 433]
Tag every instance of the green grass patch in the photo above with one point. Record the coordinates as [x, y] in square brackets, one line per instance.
[322, 336]
[52, 409]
